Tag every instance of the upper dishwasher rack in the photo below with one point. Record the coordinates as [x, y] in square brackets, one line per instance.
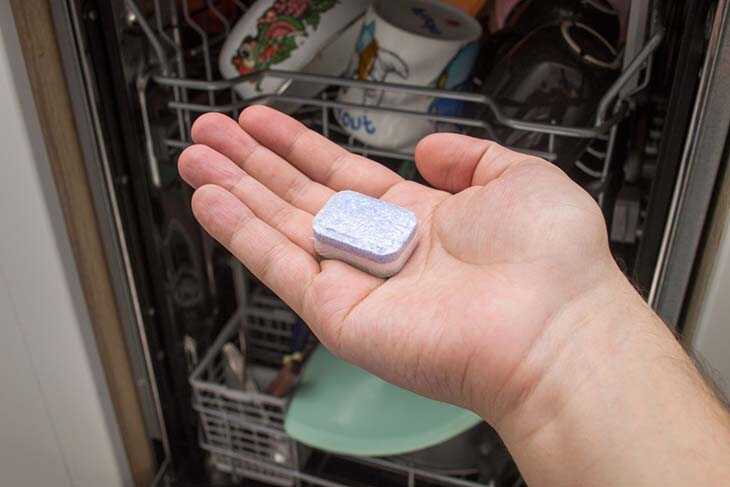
[186, 96]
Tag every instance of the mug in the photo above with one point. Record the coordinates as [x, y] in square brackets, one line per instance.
[284, 35]
[414, 42]
[332, 60]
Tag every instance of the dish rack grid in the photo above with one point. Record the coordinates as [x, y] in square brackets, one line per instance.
[186, 73]
[244, 431]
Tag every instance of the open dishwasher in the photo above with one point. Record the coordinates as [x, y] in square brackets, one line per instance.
[144, 70]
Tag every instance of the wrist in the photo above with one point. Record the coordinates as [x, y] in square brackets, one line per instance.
[607, 382]
[587, 335]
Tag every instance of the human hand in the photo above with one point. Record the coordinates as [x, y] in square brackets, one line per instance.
[507, 243]
[511, 304]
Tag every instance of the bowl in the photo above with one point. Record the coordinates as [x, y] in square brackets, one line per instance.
[340, 408]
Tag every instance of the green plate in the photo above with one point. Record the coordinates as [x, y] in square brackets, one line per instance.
[340, 408]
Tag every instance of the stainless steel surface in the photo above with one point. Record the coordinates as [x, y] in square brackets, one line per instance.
[701, 160]
[85, 102]
[640, 13]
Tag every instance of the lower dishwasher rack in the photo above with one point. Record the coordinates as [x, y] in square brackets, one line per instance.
[244, 431]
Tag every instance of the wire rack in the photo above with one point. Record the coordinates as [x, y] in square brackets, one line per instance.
[269, 328]
[249, 425]
[181, 82]
[242, 425]
[244, 431]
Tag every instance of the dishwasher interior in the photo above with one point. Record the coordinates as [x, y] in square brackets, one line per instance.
[152, 68]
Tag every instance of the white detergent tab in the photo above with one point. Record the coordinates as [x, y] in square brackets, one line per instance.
[368, 233]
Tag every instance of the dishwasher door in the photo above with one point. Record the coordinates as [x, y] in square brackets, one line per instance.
[696, 184]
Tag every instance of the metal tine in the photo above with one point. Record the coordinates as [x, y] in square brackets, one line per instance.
[177, 36]
[551, 143]
[234, 94]
[641, 58]
[607, 162]
[325, 119]
[595, 152]
[160, 26]
[143, 82]
[591, 172]
[151, 37]
[152, 162]
[205, 46]
[219, 15]
[227, 28]
[176, 91]
[241, 6]
[214, 41]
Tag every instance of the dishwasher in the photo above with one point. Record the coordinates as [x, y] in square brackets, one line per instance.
[646, 141]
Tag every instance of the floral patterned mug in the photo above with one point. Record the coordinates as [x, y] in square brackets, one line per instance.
[283, 35]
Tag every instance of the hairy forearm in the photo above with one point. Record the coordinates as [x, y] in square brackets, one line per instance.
[617, 402]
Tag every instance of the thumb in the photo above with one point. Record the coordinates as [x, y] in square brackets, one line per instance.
[454, 162]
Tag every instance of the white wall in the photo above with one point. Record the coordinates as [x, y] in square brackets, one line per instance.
[56, 421]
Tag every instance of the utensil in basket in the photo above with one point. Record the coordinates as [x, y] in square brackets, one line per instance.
[234, 367]
[302, 346]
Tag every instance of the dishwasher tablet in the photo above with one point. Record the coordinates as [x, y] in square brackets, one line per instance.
[370, 234]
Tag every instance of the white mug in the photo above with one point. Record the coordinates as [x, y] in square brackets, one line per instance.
[412, 42]
[284, 35]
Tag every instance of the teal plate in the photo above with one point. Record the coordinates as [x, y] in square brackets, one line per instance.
[340, 408]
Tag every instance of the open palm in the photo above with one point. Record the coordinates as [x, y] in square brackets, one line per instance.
[504, 244]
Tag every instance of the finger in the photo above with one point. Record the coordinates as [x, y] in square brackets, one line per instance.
[334, 297]
[454, 162]
[280, 264]
[324, 296]
[200, 165]
[322, 160]
[224, 135]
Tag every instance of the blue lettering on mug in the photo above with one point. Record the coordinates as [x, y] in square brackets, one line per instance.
[356, 124]
[428, 22]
